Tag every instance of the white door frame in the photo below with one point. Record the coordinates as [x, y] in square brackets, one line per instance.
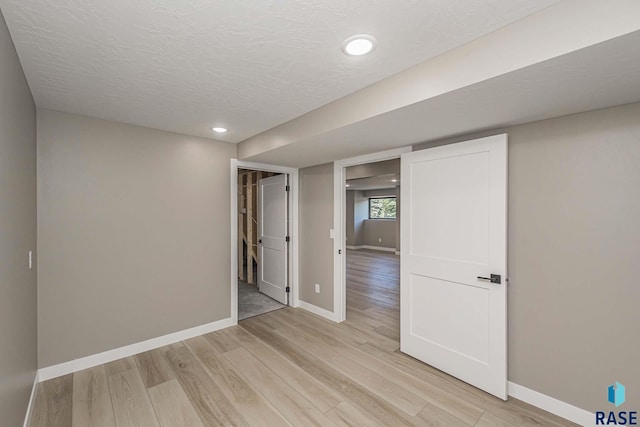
[292, 261]
[339, 220]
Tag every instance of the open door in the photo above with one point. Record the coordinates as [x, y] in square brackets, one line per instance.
[273, 232]
[453, 269]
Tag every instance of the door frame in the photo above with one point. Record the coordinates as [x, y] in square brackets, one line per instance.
[339, 221]
[292, 257]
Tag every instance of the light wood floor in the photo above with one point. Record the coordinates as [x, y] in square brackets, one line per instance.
[288, 367]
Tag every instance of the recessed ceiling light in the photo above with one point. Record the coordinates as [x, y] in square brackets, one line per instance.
[394, 180]
[360, 44]
[347, 185]
[220, 130]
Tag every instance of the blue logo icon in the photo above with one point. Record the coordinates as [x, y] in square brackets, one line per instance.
[616, 394]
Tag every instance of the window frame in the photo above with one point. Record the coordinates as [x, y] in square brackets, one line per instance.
[380, 198]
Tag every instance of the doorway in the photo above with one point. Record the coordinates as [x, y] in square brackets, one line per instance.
[340, 219]
[453, 244]
[256, 293]
[372, 254]
[237, 246]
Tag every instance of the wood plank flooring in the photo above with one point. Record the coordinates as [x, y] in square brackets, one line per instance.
[285, 368]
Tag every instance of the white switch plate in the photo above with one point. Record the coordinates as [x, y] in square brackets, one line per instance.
[317, 288]
[331, 233]
[30, 260]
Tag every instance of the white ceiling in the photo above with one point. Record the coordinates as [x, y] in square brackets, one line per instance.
[598, 76]
[248, 65]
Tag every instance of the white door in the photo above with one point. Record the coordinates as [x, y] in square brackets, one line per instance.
[272, 235]
[453, 236]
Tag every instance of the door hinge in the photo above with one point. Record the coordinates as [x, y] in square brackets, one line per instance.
[286, 239]
[286, 188]
[287, 289]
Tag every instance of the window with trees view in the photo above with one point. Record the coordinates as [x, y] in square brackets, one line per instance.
[382, 208]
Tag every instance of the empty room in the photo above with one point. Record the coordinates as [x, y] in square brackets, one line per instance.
[337, 213]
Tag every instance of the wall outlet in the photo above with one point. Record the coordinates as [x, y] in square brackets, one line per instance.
[379, 239]
[317, 288]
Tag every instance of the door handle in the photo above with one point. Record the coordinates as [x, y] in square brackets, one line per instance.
[495, 278]
[260, 241]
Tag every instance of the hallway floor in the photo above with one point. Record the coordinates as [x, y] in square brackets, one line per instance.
[253, 303]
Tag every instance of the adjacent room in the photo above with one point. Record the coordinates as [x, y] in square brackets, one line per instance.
[372, 212]
[332, 213]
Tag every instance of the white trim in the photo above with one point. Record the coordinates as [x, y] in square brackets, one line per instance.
[27, 417]
[234, 241]
[319, 311]
[379, 248]
[373, 248]
[550, 404]
[76, 365]
[293, 215]
[339, 219]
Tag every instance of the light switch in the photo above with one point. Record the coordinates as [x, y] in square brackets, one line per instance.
[332, 234]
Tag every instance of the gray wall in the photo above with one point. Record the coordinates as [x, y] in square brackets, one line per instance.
[357, 211]
[350, 217]
[316, 247]
[363, 231]
[383, 229]
[17, 236]
[133, 234]
[574, 239]
[360, 214]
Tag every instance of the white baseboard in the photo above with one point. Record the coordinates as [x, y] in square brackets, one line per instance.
[27, 417]
[550, 404]
[373, 248]
[319, 311]
[76, 365]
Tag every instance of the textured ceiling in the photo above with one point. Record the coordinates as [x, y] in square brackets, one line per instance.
[249, 65]
[599, 76]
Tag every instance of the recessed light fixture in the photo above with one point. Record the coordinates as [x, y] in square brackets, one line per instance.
[219, 130]
[394, 180]
[360, 44]
[347, 185]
